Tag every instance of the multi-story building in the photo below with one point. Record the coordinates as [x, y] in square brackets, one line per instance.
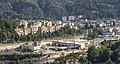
[26, 31]
[64, 19]
[39, 26]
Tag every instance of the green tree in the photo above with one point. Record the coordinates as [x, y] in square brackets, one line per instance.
[109, 62]
[0, 17]
[118, 61]
[89, 62]
[93, 54]
[3, 36]
[93, 35]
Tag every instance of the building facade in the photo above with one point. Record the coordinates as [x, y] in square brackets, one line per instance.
[38, 27]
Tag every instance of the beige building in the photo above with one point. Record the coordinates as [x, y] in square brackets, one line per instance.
[39, 26]
[50, 28]
[26, 31]
[46, 23]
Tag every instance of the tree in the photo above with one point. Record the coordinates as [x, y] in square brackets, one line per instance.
[86, 26]
[91, 26]
[109, 61]
[93, 35]
[12, 62]
[0, 17]
[118, 61]
[89, 62]
[23, 38]
[18, 61]
[63, 55]
[17, 37]
[93, 54]
[3, 36]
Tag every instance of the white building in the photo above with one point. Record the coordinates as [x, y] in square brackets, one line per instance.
[64, 19]
[59, 22]
[71, 18]
[81, 25]
[108, 34]
[38, 23]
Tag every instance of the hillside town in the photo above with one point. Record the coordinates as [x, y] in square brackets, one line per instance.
[59, 31]
[109, 29]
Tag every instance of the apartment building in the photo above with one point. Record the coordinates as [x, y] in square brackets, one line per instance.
[38, 26]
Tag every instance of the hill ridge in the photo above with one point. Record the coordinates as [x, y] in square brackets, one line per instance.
[36, 9]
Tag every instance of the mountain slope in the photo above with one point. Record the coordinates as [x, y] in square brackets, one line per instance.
[36, 9]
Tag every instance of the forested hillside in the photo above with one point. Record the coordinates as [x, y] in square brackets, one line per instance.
[36, 9]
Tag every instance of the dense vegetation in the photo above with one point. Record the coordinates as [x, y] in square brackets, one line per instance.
[7, 31]
[62, 60]
[108, 52]
[93, 35]
[35, 9]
